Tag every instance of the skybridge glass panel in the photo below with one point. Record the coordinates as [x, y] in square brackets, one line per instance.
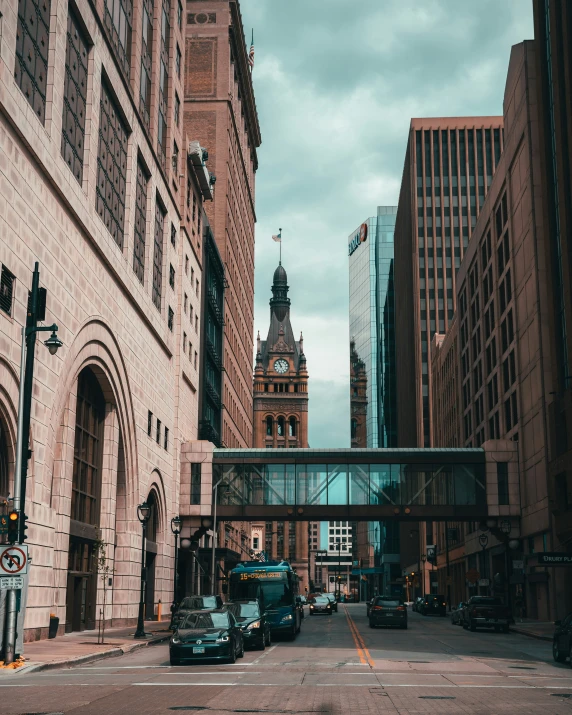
[317, 485]
[358, 483]
[275, 484]
[384, 483]
[337, 484]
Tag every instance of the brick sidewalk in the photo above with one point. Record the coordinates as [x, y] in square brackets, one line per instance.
[82, 647]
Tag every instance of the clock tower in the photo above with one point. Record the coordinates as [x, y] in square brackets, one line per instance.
[280, 377]
[281, 420]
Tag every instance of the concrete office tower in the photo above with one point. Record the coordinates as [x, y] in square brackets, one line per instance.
[552, 31]
[372, 331]
[449, 166]
[221, 112]
[96, 186]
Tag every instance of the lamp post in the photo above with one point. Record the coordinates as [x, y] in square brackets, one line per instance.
[483, 541]
[411, 532]
[423, 560]
[143, 514]
[176, 523]
[215, 536]
[36, 313]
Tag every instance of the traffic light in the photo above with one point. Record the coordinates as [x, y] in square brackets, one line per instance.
[13, 527]
[23, 528]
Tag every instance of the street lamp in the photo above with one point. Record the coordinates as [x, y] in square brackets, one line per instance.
[411, 532]
[176, 524]
[143, 514]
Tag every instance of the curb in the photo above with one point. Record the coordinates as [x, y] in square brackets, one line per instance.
[123, 649]
[530, 634]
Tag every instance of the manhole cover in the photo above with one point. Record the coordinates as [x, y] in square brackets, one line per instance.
[521, 667]
[437, 697]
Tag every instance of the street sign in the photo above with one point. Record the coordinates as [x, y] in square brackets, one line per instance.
[472, 575]
[555, 558]
[483, 540]
[483, 582]
[11, 583]
[4, 524]
[13, 560]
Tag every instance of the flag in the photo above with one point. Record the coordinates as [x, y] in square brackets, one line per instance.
[251, 53]
[278, 238]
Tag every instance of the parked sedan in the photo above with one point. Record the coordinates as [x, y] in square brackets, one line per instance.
[207, 635]
[387, 611]
[320, 604]
[562, 642]
[194, 603]
[252, 621]
[457, 614]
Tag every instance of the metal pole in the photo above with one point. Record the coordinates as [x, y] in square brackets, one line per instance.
[140, 632]
[215, 539]
[176, 576]
[448, 565]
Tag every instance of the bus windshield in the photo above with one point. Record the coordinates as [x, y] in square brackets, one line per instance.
[273, 589]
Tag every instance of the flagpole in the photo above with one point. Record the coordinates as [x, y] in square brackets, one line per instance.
[280, 234]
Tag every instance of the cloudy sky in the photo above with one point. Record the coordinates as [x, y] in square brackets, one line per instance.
[336, 84]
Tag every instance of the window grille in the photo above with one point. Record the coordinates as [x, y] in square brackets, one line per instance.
[6, 291]
[32, 36]
[75, 98]
[111, 167]
[140, 222]
[158, 256]
[163, 84]
[118, 19]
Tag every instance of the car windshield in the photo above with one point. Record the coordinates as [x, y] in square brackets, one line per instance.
[321, 600]
[249, 610]
[277, 594]
[388, 602]
[330, 597]
[206, 620]
[486, 601]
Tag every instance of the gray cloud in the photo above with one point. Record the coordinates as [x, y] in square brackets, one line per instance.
[336, 85]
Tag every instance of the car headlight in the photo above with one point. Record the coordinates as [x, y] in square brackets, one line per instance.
[311, 606]
[287, 618]
[222, 639]
[175, 640]
[256, 624]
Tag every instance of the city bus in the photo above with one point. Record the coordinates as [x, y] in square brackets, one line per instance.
[275, 585]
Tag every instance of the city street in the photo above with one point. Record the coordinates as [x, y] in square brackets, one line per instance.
[336, 665]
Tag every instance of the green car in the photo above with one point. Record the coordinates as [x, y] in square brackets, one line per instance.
[207, 635]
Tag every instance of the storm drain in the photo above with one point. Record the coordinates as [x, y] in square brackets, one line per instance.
[437, 697]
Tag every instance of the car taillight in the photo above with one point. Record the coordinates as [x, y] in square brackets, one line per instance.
[377, 608]
[400, 608]
[444, 604]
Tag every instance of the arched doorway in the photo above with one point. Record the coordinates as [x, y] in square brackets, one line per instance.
[5, 459]
[85, 503]
[151, 555]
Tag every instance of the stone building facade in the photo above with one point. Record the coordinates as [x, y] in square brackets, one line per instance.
[93, 186]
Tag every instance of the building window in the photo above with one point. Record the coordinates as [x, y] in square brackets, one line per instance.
[111, 167]
[178, 58]
[149, 422]
[186, 265]
[180, 15]
[177, 110]
[166, 438]
[281, 426]
[146, 62]
[292, 427]
[6, 291]
[170, 317]
[32, 37]
[158, 432]
[196, 359]
[173, 235]
[140, 222]
[171, 276]
[562, 494]
[184, 342]
[75, 99]
[502, 480]
[158, 256]
[175, 159]
[255, 543]
[197, 287]
[163, 84]
[90, 413]
[196, 323]
[269, 428]
[118, 22]
[195, 483]
[185, 303]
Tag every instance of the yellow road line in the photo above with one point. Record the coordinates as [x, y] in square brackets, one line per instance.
[363, 652]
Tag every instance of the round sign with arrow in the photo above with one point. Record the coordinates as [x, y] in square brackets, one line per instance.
[13, 560]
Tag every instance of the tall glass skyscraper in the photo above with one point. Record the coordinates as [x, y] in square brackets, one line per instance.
[372, 331]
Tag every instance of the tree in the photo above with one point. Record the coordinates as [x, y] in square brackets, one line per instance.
[104, 570]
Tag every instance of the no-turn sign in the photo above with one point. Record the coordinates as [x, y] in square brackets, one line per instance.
[13, 560]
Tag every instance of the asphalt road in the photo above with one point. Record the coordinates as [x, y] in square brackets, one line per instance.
[336, 665]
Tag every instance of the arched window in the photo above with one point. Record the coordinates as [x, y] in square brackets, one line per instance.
[292, 426]
[281, 426]
[86, 484]
[153, 517]
[269, 426]
[354, 429]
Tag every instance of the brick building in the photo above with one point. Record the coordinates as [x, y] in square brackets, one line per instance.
[94, 186]
[220, 109]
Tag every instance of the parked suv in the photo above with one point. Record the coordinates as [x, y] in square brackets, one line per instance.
[194, 603]
[433, 604]
[252, 622]
[388, 611]
[562, 642]
[486, 612]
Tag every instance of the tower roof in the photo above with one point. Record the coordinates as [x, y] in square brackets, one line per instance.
[280, 275]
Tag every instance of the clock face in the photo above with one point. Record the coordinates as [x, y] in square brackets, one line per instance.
[281, 366]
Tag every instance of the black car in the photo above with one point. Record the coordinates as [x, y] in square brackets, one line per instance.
[388, 611]
[417, 603]
[332, 600]
[457, 614]
[562, 641]
[320, 604]
[433, 605]
[194, 603]
[207, 635]
[252, 621]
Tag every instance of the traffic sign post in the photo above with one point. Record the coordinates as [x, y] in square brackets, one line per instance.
[15, 583]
